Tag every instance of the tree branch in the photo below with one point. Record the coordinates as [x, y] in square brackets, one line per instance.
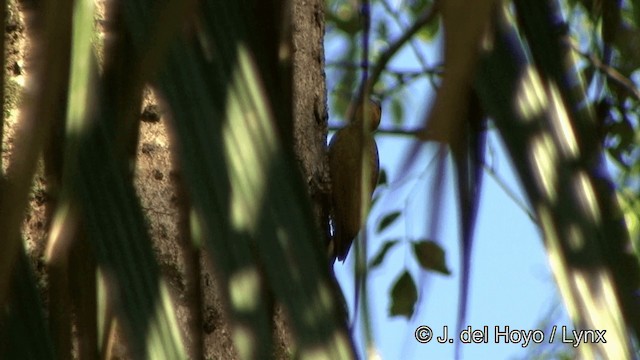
[610, 72]
[393, 48]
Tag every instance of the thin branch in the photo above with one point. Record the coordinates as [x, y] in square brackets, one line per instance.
[610, 72]
[396, 17]
[402, 83]
[394, 47]
[403, 77]
[510, 193]
[435, 70]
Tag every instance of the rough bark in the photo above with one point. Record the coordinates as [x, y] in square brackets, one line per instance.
[310, 101]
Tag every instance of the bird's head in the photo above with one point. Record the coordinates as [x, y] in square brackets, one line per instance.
[373, 112]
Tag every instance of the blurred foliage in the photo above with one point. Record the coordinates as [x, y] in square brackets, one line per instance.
[248, 208]
[606, 34]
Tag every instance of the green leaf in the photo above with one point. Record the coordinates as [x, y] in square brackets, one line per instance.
[430, 256]
[636, 13]
[429, 31]
[382, 178]
[345, 18]
[397, 111]
[404, 296]
[625, 41]
[383, 30]
[388, 220]
[377, 260]
[416, 7]
[624, 130]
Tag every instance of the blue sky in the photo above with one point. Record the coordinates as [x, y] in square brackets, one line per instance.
[511, 283]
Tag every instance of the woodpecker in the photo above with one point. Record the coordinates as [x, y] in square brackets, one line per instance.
[345, 168]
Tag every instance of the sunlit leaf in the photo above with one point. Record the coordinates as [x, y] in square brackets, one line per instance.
[429, 31]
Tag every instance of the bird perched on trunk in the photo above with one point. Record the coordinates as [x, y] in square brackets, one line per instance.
[345, 168]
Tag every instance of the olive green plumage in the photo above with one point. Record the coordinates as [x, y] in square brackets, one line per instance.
[345, 167]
